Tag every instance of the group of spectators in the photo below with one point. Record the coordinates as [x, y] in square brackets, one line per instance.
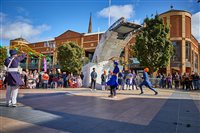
[130, 80]
[33, 79]
[126, 80]
[187, 81]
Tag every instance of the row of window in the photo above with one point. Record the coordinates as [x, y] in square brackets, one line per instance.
[191, 56]
[50, 44]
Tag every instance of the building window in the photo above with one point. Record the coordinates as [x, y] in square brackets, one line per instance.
[52, 44]
[46, 44]
[177, 52]
[188, 48]
[192, 61]
[196, 61]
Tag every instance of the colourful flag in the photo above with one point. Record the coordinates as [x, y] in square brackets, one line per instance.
[45, 65]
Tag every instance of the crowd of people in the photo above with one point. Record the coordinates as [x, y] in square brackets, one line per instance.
[33, 79]
[114, 80]
[119, 80]
[187, 81]
[126, 80]
[131, 81]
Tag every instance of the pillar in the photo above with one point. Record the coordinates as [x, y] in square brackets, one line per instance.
[27, 59]
[81, 42]
[168, 67]
[183, 56]
[39, 64]
[183, 48]
[126, 56]
[54, 57]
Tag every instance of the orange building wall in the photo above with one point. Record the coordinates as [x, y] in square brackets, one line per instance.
[91, 44]
[91, 38]
[165, 20]
[187, 27]
[175, 26]
[60, 41]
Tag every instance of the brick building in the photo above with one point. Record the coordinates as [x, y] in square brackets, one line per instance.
[186, 57]
[187, 49]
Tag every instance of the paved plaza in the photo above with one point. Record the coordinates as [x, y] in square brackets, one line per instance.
[78, 110]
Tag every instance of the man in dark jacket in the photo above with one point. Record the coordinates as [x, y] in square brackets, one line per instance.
[13, 79]
[93, 78]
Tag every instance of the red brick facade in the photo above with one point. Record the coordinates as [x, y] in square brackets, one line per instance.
[180, 32]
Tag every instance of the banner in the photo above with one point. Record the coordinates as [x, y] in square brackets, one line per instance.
[45, 65]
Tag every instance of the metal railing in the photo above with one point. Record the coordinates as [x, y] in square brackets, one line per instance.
[154, 81]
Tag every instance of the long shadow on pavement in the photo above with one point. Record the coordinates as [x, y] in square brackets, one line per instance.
[80, 114]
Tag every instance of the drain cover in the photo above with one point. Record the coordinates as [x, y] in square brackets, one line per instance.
[188, 125]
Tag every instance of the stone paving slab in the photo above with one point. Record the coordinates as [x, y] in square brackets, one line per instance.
[78, 110]
[9, 125]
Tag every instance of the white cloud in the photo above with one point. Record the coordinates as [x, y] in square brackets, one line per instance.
[116, 12]
[22, 19]
[21, 27]
[138, 21]
[196, 25]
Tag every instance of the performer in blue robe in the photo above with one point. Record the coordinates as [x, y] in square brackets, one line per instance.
[113, 80]
[146, 82]
[13, 80]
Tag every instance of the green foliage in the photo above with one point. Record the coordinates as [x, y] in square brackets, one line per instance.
[71, 57]
[153, 47]
[85, 60]
[3, 55]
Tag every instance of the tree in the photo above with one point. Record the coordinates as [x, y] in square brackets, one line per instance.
[153, 47]
[3, 55]
[71, 57]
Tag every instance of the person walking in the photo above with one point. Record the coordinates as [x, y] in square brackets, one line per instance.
[13, 80]
[93, 79]
[146, 82]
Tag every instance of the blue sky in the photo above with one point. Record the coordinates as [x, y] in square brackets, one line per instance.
[38, 20]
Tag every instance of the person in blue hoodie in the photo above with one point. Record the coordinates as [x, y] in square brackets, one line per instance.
[146, 82]
[113, 80]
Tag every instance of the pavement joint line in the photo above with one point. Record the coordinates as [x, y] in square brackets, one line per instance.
[177, 93]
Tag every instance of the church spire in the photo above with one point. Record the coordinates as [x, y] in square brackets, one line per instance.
[90, 24]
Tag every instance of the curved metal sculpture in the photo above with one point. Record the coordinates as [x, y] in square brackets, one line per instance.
[115, 39]
[110, 47]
